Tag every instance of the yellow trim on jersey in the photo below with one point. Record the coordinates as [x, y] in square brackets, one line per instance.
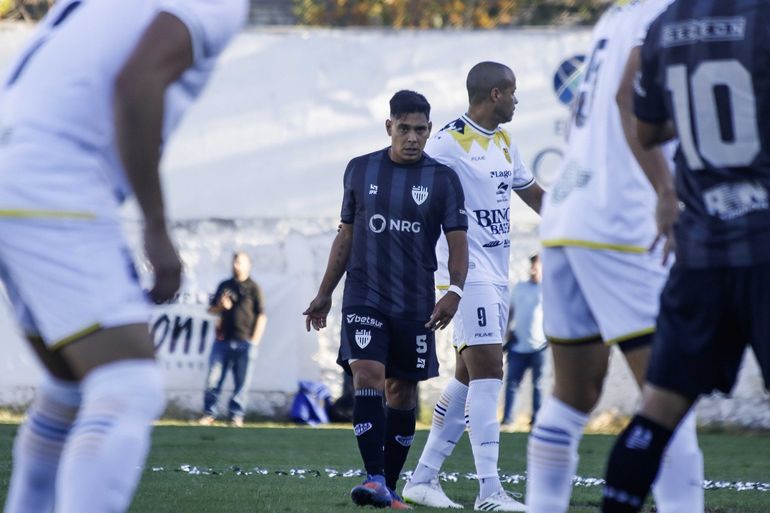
[75, 336]
[624, 248]
[612, 341]
[465, 139]
[580, 340]
[50, 214]
[442, 287]
[633, 334]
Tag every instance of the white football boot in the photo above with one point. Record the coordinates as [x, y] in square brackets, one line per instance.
[499, 501]
[428, 494]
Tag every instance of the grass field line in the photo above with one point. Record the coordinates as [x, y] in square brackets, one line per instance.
[304, 473]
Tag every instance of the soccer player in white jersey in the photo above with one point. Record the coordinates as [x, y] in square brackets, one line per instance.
[601, 283]
[84, 112]
[489, 167]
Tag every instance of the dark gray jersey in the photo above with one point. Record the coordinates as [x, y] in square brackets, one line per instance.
[398, 213]
[706, 68]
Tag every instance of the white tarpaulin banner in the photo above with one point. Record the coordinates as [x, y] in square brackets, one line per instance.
[268, 142]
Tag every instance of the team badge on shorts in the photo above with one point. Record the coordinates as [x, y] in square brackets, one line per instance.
[419, 194]
[363, 337]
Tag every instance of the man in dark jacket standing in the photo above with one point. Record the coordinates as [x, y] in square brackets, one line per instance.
[239, 303]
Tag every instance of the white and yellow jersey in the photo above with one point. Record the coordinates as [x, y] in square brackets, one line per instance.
[61, 85]
[602, 198]
[489, 167]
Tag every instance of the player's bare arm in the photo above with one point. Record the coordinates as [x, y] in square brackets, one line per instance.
[650, 135]
[163, 53]
[457, 264]
[532, 196]
[338, 260]
[651, 160]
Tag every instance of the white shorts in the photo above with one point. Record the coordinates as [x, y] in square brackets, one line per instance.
[481, 317]
[63, 259]
[590, 293]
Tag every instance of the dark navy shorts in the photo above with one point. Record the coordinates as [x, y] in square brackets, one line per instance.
[405, 346]
[707, 318]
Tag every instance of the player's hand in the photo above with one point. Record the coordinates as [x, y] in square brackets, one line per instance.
[165, 263]
[317, 311]
[443, 312]
[666, 214]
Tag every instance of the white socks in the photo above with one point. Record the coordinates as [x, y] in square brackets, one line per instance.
[447, 428]
[483, 396]
[552, 456]
[101, 463]
[679, 485]
[478, 403]
[38, 446]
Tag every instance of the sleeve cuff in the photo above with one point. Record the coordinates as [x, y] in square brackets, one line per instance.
[525, 186]
[193, 26]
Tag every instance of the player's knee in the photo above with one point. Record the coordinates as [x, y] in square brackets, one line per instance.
[402, 395]
[582, 397]
[368, 376]
[484, 362]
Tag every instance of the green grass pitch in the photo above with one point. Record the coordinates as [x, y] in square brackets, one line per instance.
[277, 450]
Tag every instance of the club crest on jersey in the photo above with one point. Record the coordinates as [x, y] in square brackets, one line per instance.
[363, 337]
[507, 155]
[419, 194]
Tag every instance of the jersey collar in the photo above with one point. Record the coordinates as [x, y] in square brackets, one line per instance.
[475, 126]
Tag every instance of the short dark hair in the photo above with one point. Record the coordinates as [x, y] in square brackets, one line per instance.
[408, 102]
[483, 77]
[534, 257]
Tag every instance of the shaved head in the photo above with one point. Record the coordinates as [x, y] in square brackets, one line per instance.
[485, 76]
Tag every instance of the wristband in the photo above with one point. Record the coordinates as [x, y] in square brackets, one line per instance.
[457, 290]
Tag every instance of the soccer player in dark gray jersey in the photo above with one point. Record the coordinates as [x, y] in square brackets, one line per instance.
[705, 77]
[396, 203]
[397, 212]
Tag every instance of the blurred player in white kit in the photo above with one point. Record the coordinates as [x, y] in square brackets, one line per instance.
[85, 111]
[601, 284]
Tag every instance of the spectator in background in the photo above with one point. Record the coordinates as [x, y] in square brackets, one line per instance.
[239, 303]
[525, 343]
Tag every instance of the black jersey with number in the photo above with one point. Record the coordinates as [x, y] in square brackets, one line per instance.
[706, 68]
[398, 212]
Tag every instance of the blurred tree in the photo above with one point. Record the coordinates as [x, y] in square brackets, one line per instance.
[482, 14]
[28, 10]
